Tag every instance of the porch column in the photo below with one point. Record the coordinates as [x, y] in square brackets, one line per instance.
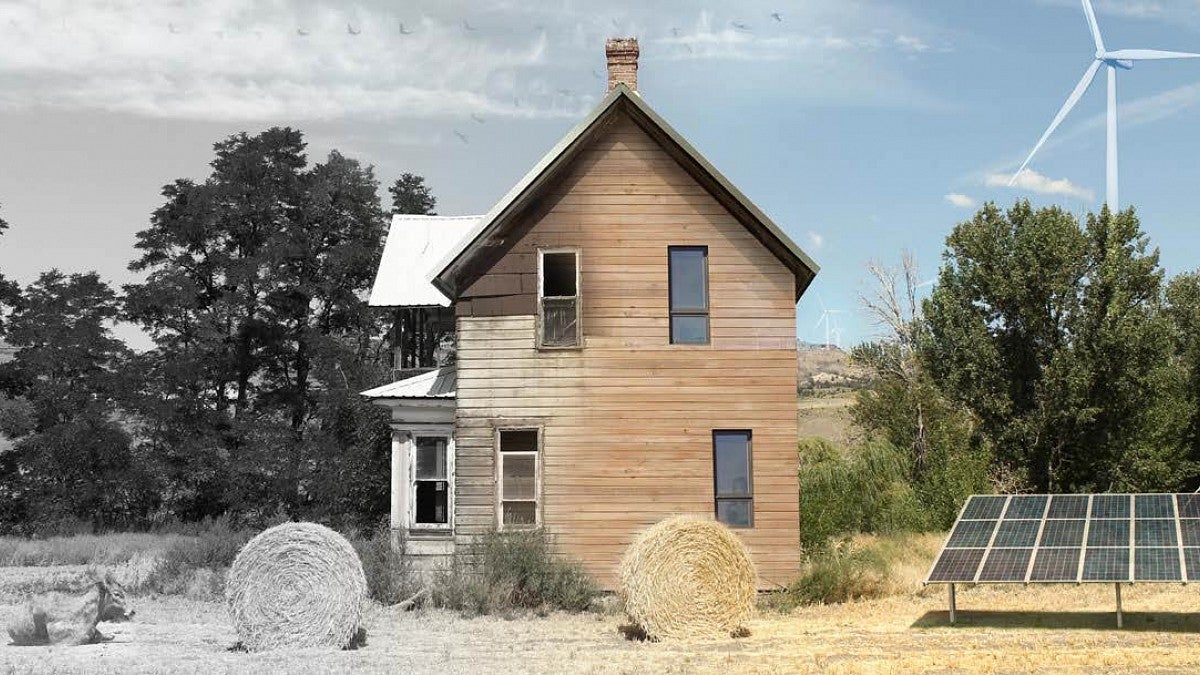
[399, 506]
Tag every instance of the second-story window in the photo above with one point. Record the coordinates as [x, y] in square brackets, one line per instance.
[688, 279]
[558, 299]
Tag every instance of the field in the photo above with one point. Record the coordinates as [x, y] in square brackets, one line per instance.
[1001, 629]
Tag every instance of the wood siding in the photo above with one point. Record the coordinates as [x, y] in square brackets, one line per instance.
[628, 419]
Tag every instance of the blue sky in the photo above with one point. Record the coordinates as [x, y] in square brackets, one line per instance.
[864, 128]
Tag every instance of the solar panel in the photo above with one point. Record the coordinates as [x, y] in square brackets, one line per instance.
[1110, 538]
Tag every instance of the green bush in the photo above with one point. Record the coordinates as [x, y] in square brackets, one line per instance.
[858, 489]
[390, 577]
[861, 567]
[504, 572]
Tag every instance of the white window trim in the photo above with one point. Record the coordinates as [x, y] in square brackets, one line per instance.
[541, 256]
[439, 431]
[537, 477]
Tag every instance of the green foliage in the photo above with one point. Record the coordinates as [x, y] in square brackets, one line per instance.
[390, 576]
[1049, 333]
[860, 489]
[410, 195]
[504, 572]
[862, 568]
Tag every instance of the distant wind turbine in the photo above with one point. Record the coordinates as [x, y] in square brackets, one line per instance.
[1121, 58]
[832, 327]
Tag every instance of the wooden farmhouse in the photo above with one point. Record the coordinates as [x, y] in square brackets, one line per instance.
[613, 343]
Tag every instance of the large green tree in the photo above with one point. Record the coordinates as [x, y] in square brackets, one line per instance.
[255, 297]
[410, 195]
[72, 457]
[1050, 332]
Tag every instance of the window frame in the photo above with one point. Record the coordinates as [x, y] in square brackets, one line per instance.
[747, 496]
[537, 476]
[578, 297]
[672, 312]
[446, 433]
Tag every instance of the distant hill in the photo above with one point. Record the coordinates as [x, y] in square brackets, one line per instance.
[822, 370]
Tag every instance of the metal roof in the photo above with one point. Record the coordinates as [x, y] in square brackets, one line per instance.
[440, 383]
[560, 153]
[411, 253]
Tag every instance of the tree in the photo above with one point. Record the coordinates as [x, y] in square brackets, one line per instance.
[1050, 333]
[256, 300]
[72, 457]
[410, 195]
[9, 292]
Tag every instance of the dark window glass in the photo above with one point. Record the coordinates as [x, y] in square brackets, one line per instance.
[520, 513]
[558, 274]
[518, 440]
[433, 502]
[688, 277]
[732, 482]
[431, 457]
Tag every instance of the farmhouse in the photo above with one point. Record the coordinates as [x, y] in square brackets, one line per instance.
[612, 344]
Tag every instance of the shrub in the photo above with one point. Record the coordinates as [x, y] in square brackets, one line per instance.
[215, 546]
[504, 572]
[861, 567]
[390, 577]
[858, 489]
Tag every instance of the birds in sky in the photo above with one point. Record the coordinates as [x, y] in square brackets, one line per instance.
[777, 16]
[740, 26]
[403, 30]
[477, 118]
[173, 28]
[351, 30]
[461, 136]
[467, 26]
[301, 32]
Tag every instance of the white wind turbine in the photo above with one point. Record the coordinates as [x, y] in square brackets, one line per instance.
[1123, 59]
[832, 328]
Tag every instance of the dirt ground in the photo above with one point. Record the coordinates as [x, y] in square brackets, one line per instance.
[1001, 629]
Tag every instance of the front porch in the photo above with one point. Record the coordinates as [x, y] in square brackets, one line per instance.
[422, 482]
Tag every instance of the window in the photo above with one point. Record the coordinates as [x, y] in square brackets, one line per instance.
[688, 281]
[731, 478]
[431, 482]
[558, 299]
[519, 478]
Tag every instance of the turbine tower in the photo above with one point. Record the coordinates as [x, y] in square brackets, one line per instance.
[832, 327]
[1123, 59]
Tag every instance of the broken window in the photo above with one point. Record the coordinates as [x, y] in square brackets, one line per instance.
[687, 271]
[732, 478]
[431, 482]
[558, 299]
[519, 474]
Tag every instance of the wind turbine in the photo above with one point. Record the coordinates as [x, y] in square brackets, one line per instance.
[829, 318]
[1121, 58]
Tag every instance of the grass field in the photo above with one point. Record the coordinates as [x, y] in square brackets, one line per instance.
[1001, 629]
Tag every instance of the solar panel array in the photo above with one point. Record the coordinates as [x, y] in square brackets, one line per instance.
[1073, 538]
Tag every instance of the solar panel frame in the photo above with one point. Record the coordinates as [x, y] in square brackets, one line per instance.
[1108, 538]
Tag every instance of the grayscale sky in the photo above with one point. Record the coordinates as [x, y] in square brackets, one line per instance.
[863, 127]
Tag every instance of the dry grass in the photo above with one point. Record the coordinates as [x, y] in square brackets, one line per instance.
[1053, 629]
[687, 577]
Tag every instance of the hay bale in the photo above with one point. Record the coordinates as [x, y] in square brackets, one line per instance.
[688, 578]
[296, 585]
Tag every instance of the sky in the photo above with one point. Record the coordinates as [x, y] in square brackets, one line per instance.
[864, 128]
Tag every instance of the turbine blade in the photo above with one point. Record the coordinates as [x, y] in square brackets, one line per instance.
[1062, 113]
[1095, 27]
[1148, 55]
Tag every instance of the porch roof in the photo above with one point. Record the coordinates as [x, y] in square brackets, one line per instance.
[440, 383]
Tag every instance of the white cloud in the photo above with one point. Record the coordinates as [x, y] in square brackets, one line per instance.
[1035, 182]
[960, 200]
[816, 240]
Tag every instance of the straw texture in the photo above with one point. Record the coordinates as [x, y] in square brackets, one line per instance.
[688, 578]
[296, 585]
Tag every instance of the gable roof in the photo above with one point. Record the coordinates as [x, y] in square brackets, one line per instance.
[411, 253]
[487, 232]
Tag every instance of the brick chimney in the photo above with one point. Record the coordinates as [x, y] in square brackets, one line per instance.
[622, 55]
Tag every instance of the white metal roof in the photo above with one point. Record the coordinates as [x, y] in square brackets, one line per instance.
[440, 383]
[414, 247]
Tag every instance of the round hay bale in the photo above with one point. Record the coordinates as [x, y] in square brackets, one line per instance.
[688, 578]
[296, 585]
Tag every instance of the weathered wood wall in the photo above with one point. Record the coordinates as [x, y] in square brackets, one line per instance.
[628, 419]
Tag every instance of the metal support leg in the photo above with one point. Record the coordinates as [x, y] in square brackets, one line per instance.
[1120, 619]
[952, 607]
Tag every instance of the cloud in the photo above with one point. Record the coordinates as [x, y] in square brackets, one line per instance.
[960, 200]
[816, 240]
[1035, 182]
